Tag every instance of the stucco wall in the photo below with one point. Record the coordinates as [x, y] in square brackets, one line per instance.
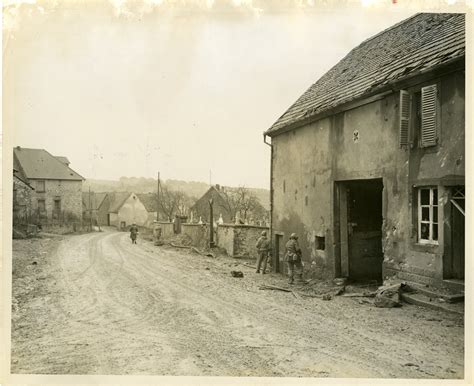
[225, 238]
[132, 211]
[70, 193]
[239, 240]
[308, 161]
[198, 233]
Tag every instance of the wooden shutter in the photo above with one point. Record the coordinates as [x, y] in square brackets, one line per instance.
[429, 107]
[405, 110]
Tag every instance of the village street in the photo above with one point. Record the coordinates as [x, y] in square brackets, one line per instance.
[96, 304]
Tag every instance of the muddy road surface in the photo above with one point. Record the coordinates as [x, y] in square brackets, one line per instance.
[96, 304]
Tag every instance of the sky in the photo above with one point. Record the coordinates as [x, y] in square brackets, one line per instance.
[130, 89]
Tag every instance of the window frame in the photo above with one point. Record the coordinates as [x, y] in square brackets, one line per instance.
[410, 126]
[431, 222]
[38, 189]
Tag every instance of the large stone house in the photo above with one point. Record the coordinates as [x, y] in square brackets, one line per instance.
[368, 164]
[57, 194]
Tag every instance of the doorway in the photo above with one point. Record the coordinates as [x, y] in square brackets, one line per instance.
[454, 259]
[360, 227]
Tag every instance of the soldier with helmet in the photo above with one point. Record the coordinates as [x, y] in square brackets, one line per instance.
[293, 258]
[263, 248]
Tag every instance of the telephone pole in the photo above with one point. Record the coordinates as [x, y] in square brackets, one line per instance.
[158, 199]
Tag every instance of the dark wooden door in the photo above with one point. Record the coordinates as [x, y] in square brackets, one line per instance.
[457, 240]
[365, 230]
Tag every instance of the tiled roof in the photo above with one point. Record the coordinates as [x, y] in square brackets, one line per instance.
[117, 200]
[419, 43]
[39, 164]
[149, 201]
[95, 200]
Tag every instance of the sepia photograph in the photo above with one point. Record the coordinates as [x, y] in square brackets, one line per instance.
[265, 190]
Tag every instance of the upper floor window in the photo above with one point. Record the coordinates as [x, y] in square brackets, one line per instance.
[40, 186]
[428, 215]
[419, 113]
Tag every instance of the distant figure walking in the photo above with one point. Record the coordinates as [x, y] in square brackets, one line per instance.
[263, 248]
[134, 233]
[293, 258]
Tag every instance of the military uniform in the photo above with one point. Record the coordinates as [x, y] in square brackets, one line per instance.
[133, 233]
[293, 259]
[263, 247]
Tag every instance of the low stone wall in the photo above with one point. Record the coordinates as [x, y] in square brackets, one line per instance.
[239, 240]
[198, 233]
[225, 238]
[167, 230]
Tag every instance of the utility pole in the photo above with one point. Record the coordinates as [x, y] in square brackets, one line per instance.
[158, 199]
[90, 210]
[211, 224]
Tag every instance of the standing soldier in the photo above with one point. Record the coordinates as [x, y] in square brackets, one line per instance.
[293, 258]
[134, 233]
[263, 247]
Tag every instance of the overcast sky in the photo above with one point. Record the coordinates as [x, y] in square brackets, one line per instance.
[127, 91]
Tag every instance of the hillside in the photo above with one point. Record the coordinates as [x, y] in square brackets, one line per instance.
[193, 189]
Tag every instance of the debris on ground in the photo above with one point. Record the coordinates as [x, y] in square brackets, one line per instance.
[237, 273]
[272, 287]
[390, 296]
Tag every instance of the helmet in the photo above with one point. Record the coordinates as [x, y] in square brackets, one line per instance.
[293, 236]
[264, 233]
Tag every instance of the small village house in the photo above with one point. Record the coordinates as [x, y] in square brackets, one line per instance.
[126, 209]
[220, 206]
[57, 194]
[368, 165]
[96, 205]
[149, 200]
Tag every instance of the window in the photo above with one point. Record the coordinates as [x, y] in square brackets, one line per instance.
[41, 206]
[320, 243]
[428, 215]
[419, 117]
[57, 205]
[40, 186]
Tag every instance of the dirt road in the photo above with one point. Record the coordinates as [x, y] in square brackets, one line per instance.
[96, 304]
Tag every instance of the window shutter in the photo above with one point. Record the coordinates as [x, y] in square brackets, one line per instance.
[405, 110]
[429, 106]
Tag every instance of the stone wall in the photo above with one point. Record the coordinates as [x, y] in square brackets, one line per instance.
[22, 197]
[68, 192]
[198, 233]
[239, 240]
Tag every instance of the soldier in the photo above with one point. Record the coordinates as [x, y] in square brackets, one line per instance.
[263, 247]
[293, 258]
[134, 233]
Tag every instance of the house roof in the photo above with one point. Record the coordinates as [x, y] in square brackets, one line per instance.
[211, 192]
[419, 43]
[40, 164]
[19, 174]
[117, 200]
[149, 201]
[96, 200]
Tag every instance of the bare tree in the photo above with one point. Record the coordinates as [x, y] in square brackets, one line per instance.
[173, 202]
[243, 202]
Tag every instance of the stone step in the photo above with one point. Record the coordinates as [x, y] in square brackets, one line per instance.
[455, 285]
[447, 294]
[420, 299]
